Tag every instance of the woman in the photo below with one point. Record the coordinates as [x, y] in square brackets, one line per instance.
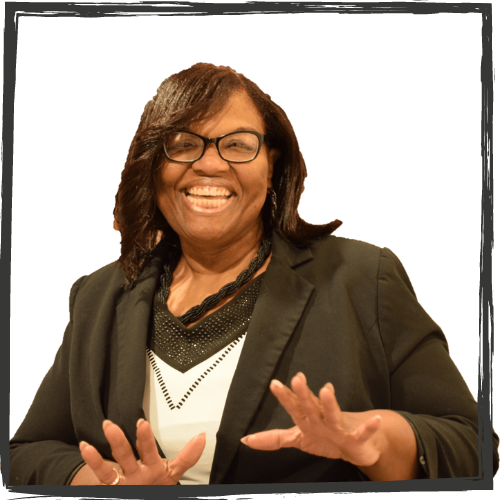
[222, 299]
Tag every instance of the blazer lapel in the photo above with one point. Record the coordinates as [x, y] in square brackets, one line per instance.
[280, 305]
[133, 315]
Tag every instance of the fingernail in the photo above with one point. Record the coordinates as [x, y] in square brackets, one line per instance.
[329, 385]
[106, 423]
[301, 375]
[244, 440]
[139, 422]
[83, 444]
[276, 383]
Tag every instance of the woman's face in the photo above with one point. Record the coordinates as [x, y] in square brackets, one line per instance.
[212, 200]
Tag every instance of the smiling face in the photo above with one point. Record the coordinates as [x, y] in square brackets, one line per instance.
[212, 201]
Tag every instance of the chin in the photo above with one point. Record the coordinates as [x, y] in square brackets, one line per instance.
[208, 234]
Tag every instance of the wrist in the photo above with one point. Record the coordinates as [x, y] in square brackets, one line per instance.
[397, 447]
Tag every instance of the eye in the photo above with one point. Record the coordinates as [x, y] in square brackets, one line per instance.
[235, 144]
[183, 146]
[243, 141]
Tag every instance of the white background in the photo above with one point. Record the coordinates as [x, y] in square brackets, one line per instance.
[398, 95]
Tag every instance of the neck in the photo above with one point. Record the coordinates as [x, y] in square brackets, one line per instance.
[201, 260]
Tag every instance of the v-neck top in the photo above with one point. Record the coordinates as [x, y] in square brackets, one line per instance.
[184, 347]
[189, 372]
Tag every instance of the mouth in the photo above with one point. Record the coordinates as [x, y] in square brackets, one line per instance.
[207, 196]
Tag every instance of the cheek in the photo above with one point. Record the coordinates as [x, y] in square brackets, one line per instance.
[257, 183]
[165, 179]
[166, 182]
[265, 174]
[257, 186]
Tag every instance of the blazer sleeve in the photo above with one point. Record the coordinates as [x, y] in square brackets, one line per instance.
[44, 449]
[426, 387]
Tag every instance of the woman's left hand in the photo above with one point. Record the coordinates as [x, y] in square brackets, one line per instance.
[323, 429]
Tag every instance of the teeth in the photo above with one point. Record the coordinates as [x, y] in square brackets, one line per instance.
[208, 191]
[207, 203]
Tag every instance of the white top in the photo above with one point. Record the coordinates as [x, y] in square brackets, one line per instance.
[180, 406]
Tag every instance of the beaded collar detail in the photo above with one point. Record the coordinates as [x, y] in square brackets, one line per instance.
[183, 348]
[198, 311]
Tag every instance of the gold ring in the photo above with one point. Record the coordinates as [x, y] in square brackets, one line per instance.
[115, 482]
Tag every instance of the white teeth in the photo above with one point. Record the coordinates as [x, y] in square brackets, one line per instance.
[207, 203]
[208, 191]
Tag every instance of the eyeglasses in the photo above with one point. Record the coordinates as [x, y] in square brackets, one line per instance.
[236, 147]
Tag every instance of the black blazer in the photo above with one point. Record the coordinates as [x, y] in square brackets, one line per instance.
[340, 311]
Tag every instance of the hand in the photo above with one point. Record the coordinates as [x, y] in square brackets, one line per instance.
[321, 427]
[151, 468]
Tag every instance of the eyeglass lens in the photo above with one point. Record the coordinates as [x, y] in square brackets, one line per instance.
[240, 146]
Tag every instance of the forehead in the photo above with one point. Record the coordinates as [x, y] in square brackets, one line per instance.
[239, 113]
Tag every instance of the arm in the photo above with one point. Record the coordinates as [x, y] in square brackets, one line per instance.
[426, 387]
[429, 429]
[44, 449]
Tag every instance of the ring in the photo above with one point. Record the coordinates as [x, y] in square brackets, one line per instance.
[115, 482]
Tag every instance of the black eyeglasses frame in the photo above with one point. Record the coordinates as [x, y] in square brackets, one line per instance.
[262, 138]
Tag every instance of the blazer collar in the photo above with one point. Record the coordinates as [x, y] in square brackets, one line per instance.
[291, 256]
[281, 302]
[133, 313]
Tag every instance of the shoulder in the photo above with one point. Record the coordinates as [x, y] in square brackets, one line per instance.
[357, 261]
[106, 286]
[110, 276]
[346, 256]
[107, 283]
[345, 249]
[348, 264]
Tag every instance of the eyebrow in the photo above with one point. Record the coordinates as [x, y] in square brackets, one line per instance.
[250, 129]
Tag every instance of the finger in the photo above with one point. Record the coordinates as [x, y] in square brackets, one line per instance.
[187, 457]
[120, 447]
[310, 404]
[331, 409]
[274, 439]
[146, 444]
[138, 447]
[138, 443]
[366, 430]
[289, 401]
[104, 472]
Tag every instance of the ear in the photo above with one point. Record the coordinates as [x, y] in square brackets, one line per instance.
[272, 156]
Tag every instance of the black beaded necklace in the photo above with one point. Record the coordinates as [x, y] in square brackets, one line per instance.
[197, 312]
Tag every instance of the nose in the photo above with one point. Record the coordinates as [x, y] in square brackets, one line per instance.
[210, 163]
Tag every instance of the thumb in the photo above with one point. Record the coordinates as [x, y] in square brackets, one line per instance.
[366, 430]
[274, 439]
[187, 457]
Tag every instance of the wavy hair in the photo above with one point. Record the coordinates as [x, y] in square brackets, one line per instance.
[200, 92]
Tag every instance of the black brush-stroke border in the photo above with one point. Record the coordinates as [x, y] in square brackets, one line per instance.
[15, 10]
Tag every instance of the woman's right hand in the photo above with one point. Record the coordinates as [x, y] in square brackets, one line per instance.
[150, 469]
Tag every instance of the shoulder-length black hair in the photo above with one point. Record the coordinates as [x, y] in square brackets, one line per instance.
[197, 93]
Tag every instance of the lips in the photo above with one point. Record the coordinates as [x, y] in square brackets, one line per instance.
[208, 196]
